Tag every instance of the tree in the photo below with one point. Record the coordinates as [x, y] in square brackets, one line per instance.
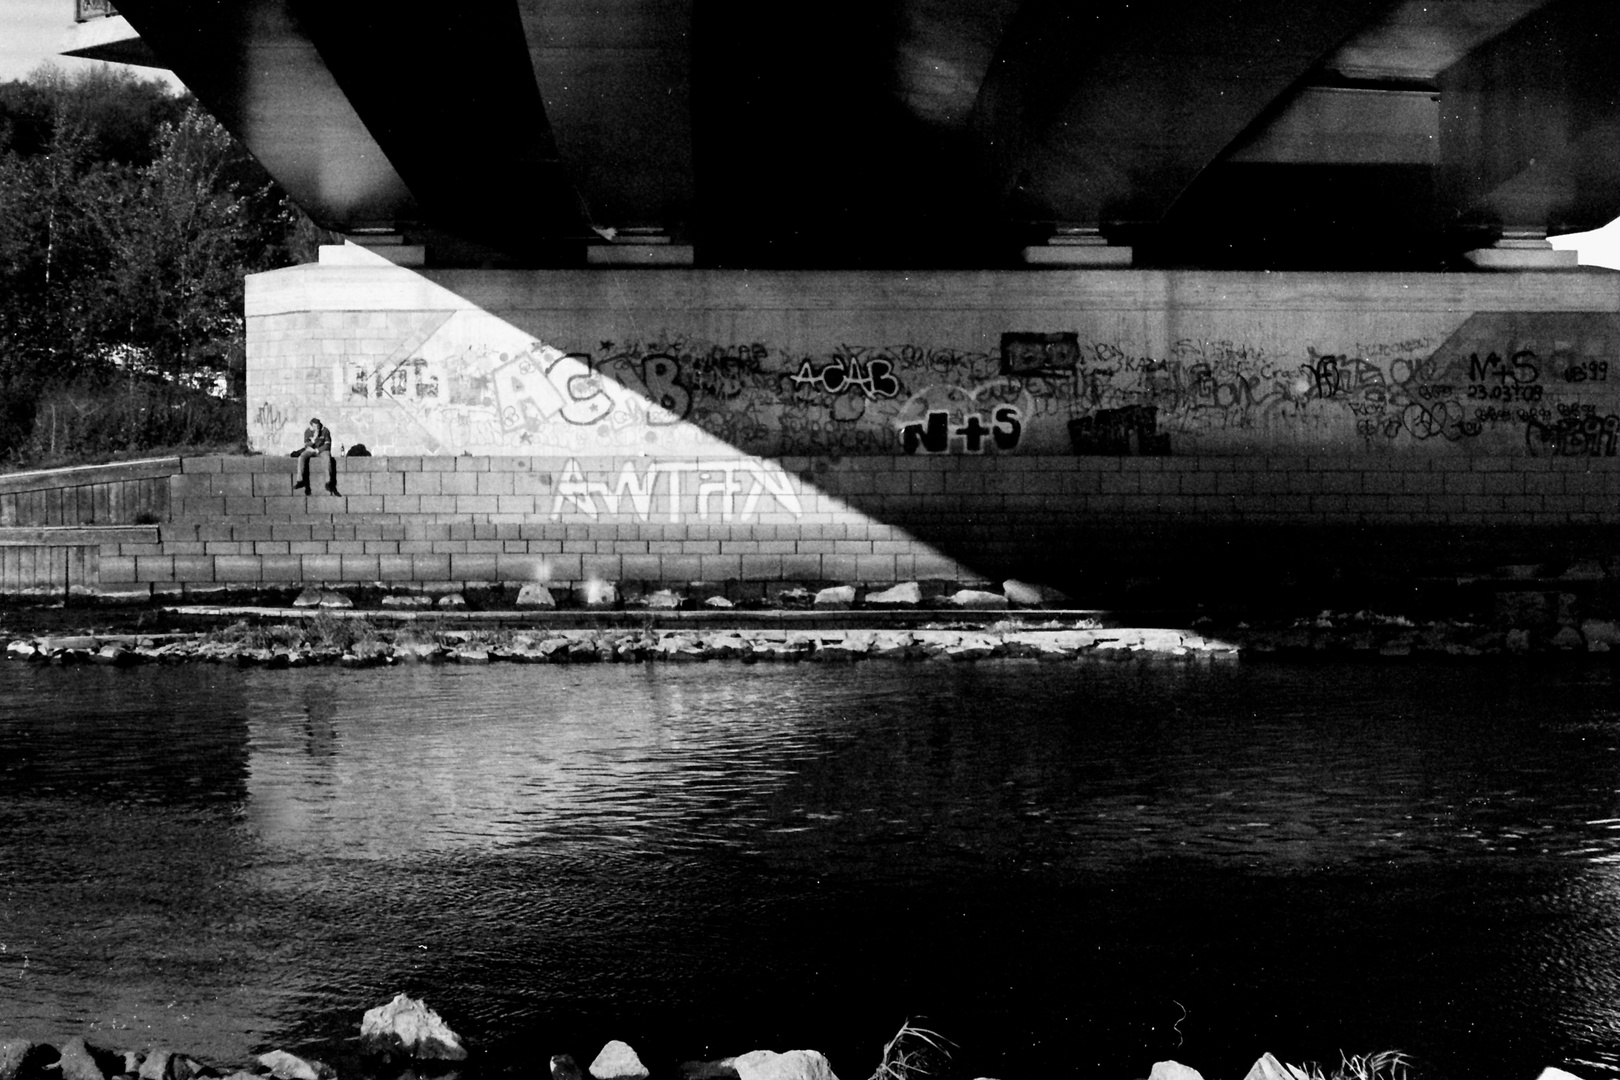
[128, 218]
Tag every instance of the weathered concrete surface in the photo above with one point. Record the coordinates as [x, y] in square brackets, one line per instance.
[783, 364]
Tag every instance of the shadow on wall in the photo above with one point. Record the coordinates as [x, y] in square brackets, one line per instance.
[1016, 431]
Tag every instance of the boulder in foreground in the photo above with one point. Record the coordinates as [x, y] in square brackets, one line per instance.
[618, 1061]
[1173, 1070]
[77, 1063]
[407, 1027]
[1269, 1068]
[978, 600]
[793, 1065]
[16, 1057]
[906, 594]
[564, 1067]
[285, 1066]
[535, 595]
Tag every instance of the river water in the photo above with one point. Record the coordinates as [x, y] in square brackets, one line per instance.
[1060, 867]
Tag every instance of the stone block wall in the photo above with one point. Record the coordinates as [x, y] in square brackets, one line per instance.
[55, 523]
[743, 525]
[125, 493]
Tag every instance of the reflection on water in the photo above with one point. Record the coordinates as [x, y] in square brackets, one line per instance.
[1050, 863]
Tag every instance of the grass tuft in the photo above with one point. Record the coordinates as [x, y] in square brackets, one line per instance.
[328, 631]
[251, 636]
[912, 1052]
[1385, 1065]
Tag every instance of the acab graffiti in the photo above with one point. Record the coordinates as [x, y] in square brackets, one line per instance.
[874, 379]
[536, 387]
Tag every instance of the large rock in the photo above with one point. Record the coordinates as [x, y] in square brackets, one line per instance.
[164, 1065]
[564, 1067]
[906, 594]
[285, 1066]
[310, 597]
[1269, 1068]
[1568, 638]
[835, 598]
[793, 1065]
[978, 600]
[598, 595]
[24, 1060]
[1600, 635]
[535, 595]
[663, 600]
[617, 1061]
[1173, 1070]
[1023, 594]
[79, 1063]
[407, 1026]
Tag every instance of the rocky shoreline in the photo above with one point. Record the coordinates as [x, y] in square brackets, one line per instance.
[405, 1040]
[288, 638]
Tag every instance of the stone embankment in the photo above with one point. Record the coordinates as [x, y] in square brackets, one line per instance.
[401, 1039]
[358, 643]
[405, 1039]
[289, 638]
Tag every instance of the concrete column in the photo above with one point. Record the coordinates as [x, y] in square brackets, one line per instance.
[1072, 246]
[1523, 247]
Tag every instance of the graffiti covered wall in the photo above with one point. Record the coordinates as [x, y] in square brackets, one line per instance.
[710, 364]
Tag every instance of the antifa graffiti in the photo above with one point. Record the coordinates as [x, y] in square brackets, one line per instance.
[724, 490]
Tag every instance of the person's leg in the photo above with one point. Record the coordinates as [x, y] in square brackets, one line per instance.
[302, 480]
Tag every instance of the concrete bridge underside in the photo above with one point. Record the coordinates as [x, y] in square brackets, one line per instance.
[1321, 134]
[665, 291]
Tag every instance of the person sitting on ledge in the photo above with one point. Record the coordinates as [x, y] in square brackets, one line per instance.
[317, 441]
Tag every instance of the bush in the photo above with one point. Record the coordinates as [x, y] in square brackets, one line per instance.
[93, 419]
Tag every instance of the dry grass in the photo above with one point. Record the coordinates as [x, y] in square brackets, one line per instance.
[1386, 1065]
[912, 1052]
[250, 636]
[328, 631]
